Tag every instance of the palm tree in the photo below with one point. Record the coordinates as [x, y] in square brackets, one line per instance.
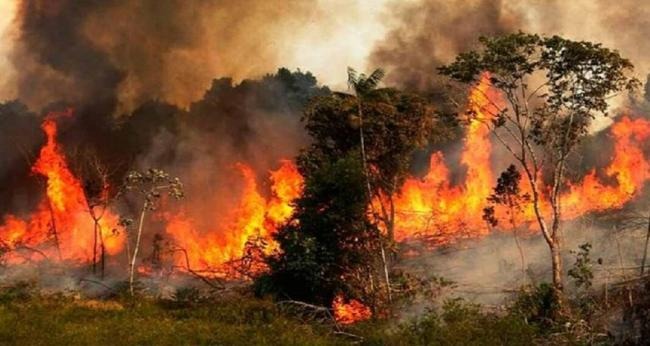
[362, 85]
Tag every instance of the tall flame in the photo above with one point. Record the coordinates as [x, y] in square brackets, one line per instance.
[430, 207]
[61, 226]
[253, 217]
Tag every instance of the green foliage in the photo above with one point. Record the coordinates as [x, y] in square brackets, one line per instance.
[327, 241]
[395, 124]
[577, 79]
[581, 271]
[582, 274]
[537, 306]
[362, 84]
[506, 193]
[458, 323]
[20, 291]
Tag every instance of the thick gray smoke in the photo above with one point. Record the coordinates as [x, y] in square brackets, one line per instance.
[428, 33]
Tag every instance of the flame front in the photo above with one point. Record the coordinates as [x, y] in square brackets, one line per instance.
[254, 217]
[431, 206]
[441, 213]
[61, 226]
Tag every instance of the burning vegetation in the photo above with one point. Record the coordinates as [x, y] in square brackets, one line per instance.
[321, 200]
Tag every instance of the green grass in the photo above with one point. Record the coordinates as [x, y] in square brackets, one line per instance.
[29, 318]
[64, 321]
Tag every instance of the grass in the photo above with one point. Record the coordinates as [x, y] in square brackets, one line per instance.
[66, 321]
[30, 318]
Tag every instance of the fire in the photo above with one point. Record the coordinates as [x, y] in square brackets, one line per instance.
[629, 169]
[430, 207]
[351, 311]
[61, 226]
[253, 217]
[431, 203]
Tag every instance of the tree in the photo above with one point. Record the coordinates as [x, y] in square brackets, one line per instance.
[148, 186]
[647, 89]
[552, 89]
[393, 124]
[390, 125]
[508, 194]
[329, 245]
[95, 177]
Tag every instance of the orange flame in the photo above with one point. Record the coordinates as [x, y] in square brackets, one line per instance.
[62, 217]
[253, 217]
[430, 207]
[350, 312]
[431, 203]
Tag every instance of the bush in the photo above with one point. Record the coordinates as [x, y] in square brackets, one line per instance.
[458, 323]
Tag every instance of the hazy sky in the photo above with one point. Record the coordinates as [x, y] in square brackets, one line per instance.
[321, 36]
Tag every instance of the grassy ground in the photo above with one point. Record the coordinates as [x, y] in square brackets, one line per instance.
[59, 320]
[65, 321]
[30, 318]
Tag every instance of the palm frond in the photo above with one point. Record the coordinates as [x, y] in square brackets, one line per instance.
[353, 78]
[374, 79]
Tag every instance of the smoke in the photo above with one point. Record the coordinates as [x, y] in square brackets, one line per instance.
[426, 34]
[489, 270]
[125, 53]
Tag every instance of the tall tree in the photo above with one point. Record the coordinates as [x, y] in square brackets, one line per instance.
[392, 124]
[552, 89]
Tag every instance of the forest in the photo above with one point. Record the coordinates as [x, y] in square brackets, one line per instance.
[483, 186]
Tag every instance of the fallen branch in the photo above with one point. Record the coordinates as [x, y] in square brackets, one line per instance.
[218, 286]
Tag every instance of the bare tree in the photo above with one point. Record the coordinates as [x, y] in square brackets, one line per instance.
[148, 186]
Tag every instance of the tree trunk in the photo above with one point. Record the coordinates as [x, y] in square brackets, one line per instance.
[94, 245]
[645, 249]
[383, 258]
[364, 163]
[522, 256]
[135, 250]
[55, 232]
[556, 259]
[102, 254]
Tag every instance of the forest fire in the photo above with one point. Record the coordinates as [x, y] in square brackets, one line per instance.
[430, 207]
[61, 227]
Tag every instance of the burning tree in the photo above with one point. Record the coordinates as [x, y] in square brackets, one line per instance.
[552, 88]
[148, 186]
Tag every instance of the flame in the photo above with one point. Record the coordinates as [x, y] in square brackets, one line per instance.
[349, 312]
[430, 207]
[61, 226]
[431, 203]
[629, 169]
[253, 217]
[433, 209]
